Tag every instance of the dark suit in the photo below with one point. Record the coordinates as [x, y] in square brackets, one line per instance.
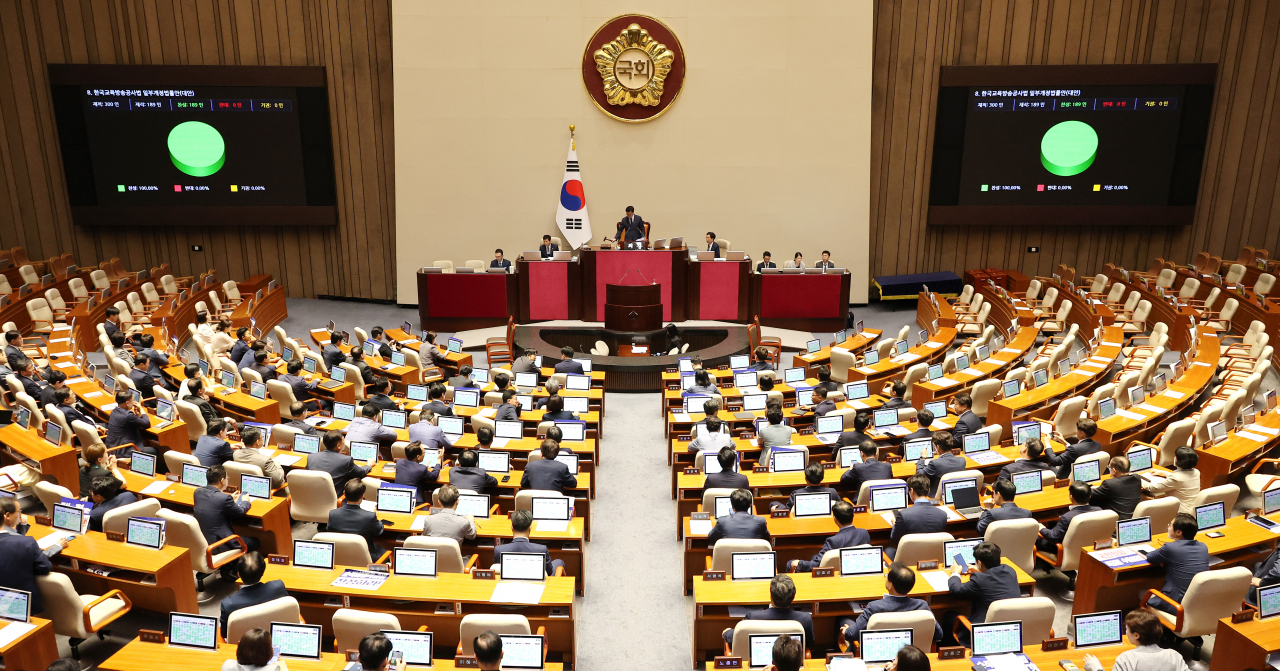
[553, 416]
[213, 451]
[714, 249]
[73, 414]
[383, 402]
[829, 385]
[504, 264]
[216, 511]
[206, 409]
[547, 474]
[846, 537]
[1122, 494]
[851, 439]
[1267, 572]
[440, 408]
[827, 405]
[1008, 511]
[632, 226]
[245, 360]
[46, 397]
[30, 386]
[885, 604]
[771, 613]
[100, 510]
[1021, 466]
[1049, 538]
[333, 356]
[472, 477]
[984, 589]
[506, 411]
[569, 366]
[352, 519]
[20, 562]
[251, 595]
[461, 382]
[1067, 457]
[547, 250]
[824, 264]
[238, 351]
[267, 373]
[761, 366]
[341, 467]
[125, 427]
[921, 517]
[366, 373]
[302, 427]
[725, 480]
[522, 544]
[765, 264]
[938, 467]
[1182, 560]
[156, 362]
[739, 525]
[862, 472]
[415, 474]
[895, 402]
[966, 424]
[110, 328]
[301, 388]
[813, 489]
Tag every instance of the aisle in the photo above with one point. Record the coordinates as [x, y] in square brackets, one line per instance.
[635, 615]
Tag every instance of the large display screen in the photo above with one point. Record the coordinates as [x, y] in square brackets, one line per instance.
[1079, 145]
[195, 145]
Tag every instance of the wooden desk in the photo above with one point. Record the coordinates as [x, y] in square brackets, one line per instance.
[264, 314]
[995, 366]
[549, 290]
[136, 655]
[894, 368]
[1222, 462]
[825, 304]
[1100, 587]
[454, 361]
[172, 436]
[462, 301]
[1045, 661]
[57, 463]
[1245, 645]
[32, 651]
[156, 580]
[413, 600]
[855, 343]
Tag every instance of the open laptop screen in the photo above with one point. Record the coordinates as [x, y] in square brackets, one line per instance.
[1135, 530]
[1099, 628]
[193, 631]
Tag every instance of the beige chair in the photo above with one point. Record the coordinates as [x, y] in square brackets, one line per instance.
[29, 275]
[1264, 284]
[190, 415]
[841, 362]
[709, 498]
[921, 623]
[993, 430]
[54, 415]
[954, 476]
[1161, 511]
[864, 492]
[49, 493]
[500, 623]
[184, 531]
[311, 495]
[601, 348]
[79, 616]
[350, 626]
[1211, 596]
[236, 469]
[282, 394]
[974, 325]
[1085, 530]
[914, 548]
[1035, 612]
[745, 628]
[42, 317]
[449, 557]
[524, 497]
[721, 558]
[348, 549]
[357, 382]
[173, 460]
[117, 520]
[1016, 539]
[1068, 413]
[1175, 435]
[1227, 493]
[982, 394]
[100, 280]
[283, 609]
[1101, 457]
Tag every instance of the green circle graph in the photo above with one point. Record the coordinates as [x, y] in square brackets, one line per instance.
[197, 148]
[1069, 148]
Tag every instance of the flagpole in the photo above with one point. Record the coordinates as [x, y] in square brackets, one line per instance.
[572, 144]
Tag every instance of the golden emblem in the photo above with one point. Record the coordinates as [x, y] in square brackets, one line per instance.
[634, 67]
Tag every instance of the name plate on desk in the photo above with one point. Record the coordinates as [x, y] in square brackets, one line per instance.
[857, 509]
[951, 652]
[927, 565]
[115, 536]
[760, 469]
[1059, 484]
[1104, 544]
[42, 520]
[1051, 644]
[1246, 615]
[776, 514]
[713, 575]
[380, 568]
[699, 516]
[824, 571]
[893, 460]
[466, 662]
[691, 471]
[685, 438]
[828, 465]
[482, 574]
[728, 663]
[150, 636]
[278, 559]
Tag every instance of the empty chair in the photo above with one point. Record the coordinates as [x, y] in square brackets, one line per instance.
[1161, 511]
[722, 554]
[350, 626]
[1017, 540]
[183, 530]
[1234, 274]
[348, 549]
[1211, 596]
[79, 616]
[1035, 612]
[311, 495]
[914, 548]
[173, 460]
[1264, 284]
[982, 394]
[1227, 493]
[284, 609]
[49, 493]
[1166, 277]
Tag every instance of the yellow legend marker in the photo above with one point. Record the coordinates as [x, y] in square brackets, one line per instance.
[234, 188]
[1096, 187]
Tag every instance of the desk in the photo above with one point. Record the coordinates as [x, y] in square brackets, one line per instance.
[136, 655]
[172, 437]
[413, 600]
[719, 290]
[1222, 462]
[34, 650]
[1045, 661]
[1100, 587]
[265, 313]
[993, 367]
[856, 344]
[455, 360]
[463, 301]
[549, 290]
[801, 302]
[894, 368]
[57, 463]
[668, 268]
[1245, 645]
[156, 580]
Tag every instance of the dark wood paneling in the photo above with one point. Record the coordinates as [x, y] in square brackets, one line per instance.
[352, 40]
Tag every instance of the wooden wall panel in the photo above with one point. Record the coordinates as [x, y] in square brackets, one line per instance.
[352, 38]
[1239, 186]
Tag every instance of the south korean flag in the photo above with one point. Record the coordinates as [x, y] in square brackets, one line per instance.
[571, 208]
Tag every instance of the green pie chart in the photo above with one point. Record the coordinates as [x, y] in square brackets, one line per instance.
[197, 148]
[1069, 148]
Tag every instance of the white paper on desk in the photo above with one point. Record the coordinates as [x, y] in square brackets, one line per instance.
[410, 341]
[501, 442]
[266, 452]
[316, 420]
[77, 380]
[866, 334]
[62, 327]
[681, 417]
[1263, 429]
[866, 370]
[64, 364]
[1011, 350]
[1175, 395]
[371, 506]
[13, 630]
[1130, 415]
[155, 487]
[905, 358]
[859, 405]
[933, 345]
[700, 527]
[353, 579]
[972, 371]
[1007, 662]
[1093, 365]
[945, 382]
[846, 664]
[1150, 408]
[896, 430]
[987, 457]
[487, 413]
[517, 592]
[1256, 437]
[888, 518]
[1111, 344]
[109, 407]
[419, 523]
[936, 579]
[551, 525]
[1199, 363]
[939, 425]
[1100, 359]
[287, 459]
[952, 516]
[59, 340]
[52, 539]
[755, 442]
[92, 394]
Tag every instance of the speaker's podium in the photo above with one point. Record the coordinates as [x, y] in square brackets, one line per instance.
[633, 307]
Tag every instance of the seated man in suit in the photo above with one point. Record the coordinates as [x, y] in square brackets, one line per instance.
[727, 478]
[303, 390]
[117, 347]
[249, 454]
[126, 425]
[821, 404]
[1122, 492]
[366, 371]
[299, 411]
[435, 399]
[775, 433]
[247, 359]
[825, 381]
[567, 364]
[156, 361]
[548, 248]
[332, 352]
[499, 262]
[921, 517]
[762, 360]
[106, 496]
[899, 582]
[468, 474]
[712, 245]
[213, 448]
[868, 469]
[244, 337]
[896, 392]
[56, 380]
[1002, 506]
[1265, 574]
[766, 261]
[21, 558]
[711, 437]
[631, 227]
[1031, 457]
[350, 518]
[989, 581]
[924, 419]
[65, 400]
[521, 520]
[385, 345]
[216, 510]
[509, 409]
[741, 523]
[967, 422]
[463, 379]
[526, 362]
[950, 459]
[555, 408]
[367, 428]
[782, 591]
[447, 523]
[848, 536]
[1086, 445]
[425, 433]
[254, 592]
[1051, 537]
[1183, 557]
[858, 435]
[259, 366]
[826, 261]
[547, 473]
[380, 399]
[411, 472]
[813, 474]
[332, 460]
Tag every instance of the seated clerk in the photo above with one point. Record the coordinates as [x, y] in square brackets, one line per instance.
[848, 536]
[712, 245]
[467, 474]
[741, 523]
[425, 433]
[921, 517]
[674, 341]
[826, 261]
[567, 364]
[332, 460]
[213, 448]
[521, 520]
[858, 435]
[924, 419]
[1002, 506]
[1183, 557]
[762, 360]
[299, 410]
[526, 363]
[411, 472]
[463, 379]
[367, 427]
[868, 469]
[332, 353]
[435, 400]
[141, 380]
[555, 409]
[499, 262]
[712, 437]
[1122, 492]
[509, 409]
[825, 381]
[254, 592]
[380, 399]
[1143, 629]
[950, 459]
[350, 518]
[366, 372]
[967, 422]
[727, 478]
[813, 477]
[1085, 429]
[1183, 483]
[782, 592]
[896, 392]
[898, 583]
[266, 372]
[65, 400]
[386, 346]
[1031, 457]
[821, 404]
[1051, 537]
[990, 581]
[548, 248]
[797, 261]
[547, 473]
[766, 261]
[702, 385]
[303, 390]
[106, 496]
[215, 510]
[775, 433]
[447, 523]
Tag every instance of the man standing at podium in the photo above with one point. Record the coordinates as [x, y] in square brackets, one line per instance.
[631, 228]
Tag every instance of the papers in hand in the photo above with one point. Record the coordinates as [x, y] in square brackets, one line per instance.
[700, 527]
[553, 525]
[13, 631]
[936, 579]
[517, 592]
[155, 487]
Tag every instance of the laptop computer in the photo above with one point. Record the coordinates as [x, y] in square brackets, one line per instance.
[963, 495]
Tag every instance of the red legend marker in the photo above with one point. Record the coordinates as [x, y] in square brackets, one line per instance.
[178, 188]
[1039, 187]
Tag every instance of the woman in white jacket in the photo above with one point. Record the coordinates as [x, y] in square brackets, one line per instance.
[1143, 629]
